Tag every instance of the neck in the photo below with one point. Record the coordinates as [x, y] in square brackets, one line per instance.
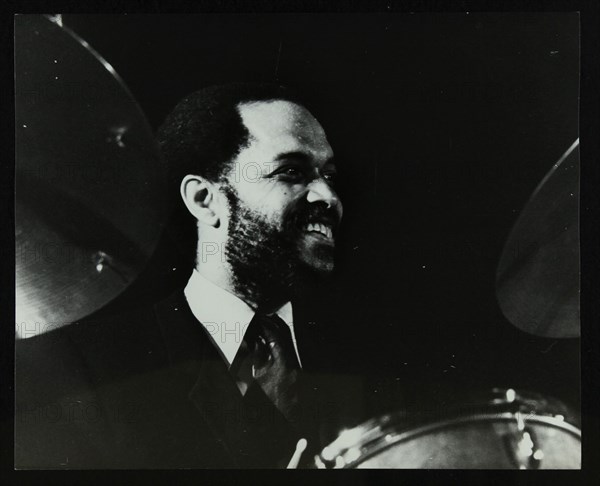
[253, 294]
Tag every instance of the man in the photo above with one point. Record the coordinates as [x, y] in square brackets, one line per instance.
[224, 372]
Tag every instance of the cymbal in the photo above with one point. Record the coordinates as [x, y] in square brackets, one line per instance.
[537, 280]
[90, 185]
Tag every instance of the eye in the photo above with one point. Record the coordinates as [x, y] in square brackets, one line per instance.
[290, 173]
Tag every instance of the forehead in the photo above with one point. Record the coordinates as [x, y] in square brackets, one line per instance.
[282, 126]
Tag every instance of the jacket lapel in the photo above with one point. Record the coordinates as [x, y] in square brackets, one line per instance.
[196, 364]
[250, 428]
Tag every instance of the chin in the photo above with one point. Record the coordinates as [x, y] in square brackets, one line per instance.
[316, 260]
[319, 266]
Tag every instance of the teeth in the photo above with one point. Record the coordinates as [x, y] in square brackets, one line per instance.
[321, 228]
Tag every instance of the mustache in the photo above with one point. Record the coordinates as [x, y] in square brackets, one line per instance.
[307, 213]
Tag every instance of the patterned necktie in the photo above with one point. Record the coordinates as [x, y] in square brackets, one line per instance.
[267, 358]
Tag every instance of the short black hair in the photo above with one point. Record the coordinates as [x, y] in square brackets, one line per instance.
[204, 132]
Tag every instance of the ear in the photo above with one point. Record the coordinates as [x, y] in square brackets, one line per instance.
[198, 194]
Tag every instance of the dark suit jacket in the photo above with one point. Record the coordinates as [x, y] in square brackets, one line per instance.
[148, 389]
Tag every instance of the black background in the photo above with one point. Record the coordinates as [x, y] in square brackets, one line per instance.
[442, 125]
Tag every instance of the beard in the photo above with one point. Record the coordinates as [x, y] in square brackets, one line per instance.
[268, 262]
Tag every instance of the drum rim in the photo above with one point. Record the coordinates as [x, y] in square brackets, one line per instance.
[384, 440]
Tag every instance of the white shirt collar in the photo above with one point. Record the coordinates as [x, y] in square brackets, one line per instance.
[225, 316]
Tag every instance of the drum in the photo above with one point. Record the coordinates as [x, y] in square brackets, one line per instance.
[504, 429]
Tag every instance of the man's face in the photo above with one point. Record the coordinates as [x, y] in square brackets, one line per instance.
[284, 209]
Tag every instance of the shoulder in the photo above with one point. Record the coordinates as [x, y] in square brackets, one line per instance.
[82, 390]
[104, 348]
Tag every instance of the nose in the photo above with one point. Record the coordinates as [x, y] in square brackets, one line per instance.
[320, 191]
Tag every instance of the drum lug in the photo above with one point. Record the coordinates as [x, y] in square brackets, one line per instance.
[523, 447]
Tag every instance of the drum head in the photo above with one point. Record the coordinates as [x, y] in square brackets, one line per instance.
[506, 430]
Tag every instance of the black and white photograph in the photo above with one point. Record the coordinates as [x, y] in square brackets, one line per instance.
[297, 241]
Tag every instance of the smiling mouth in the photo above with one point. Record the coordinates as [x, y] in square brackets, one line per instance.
[321, 229]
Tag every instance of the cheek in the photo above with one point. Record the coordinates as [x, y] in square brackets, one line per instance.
[273, 201]
[259, 194]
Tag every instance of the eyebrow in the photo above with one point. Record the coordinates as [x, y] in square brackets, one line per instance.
[301, 156]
